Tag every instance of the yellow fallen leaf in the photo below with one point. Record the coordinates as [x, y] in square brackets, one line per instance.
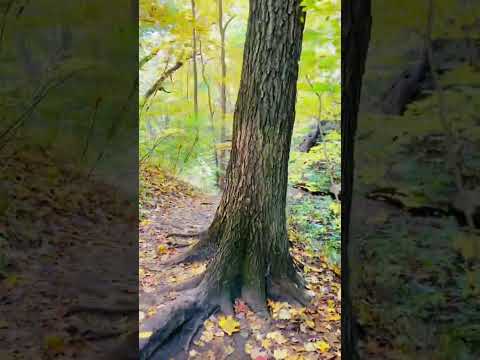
[192, 353]
[276, 306]
[336, 270]
[309, 347]
[152, 311]
[208, 324]
[333, 317]
[297, 311]
[322, 346]
[11, 281]
[144, 334]
[284, 314]
[162, 249]
[229, 325]
[207, 336]
[277, 337]
[266, 343]
[54, 343]
[280, 354]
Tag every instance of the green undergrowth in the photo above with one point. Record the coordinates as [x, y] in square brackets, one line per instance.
[315, 222]
[315, 169]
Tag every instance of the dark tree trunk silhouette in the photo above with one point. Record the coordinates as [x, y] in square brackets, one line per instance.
[249, 229]
[356, 24]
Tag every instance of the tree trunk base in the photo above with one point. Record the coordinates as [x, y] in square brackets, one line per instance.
[182, 318]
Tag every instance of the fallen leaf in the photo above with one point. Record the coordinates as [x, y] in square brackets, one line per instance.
[322, 346]
[266, 343]
[144, 334]
[229, 325]
[261, 357]
[309, 347]
[240, 307]
[152, 311]
[54, 343]
[277, 337]
[207, 336]
[162, 249]
[284, 314]
[280, 354]
[333, 317]
[192, 353]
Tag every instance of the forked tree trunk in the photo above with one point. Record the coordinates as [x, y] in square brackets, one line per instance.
[250, 223]
[356, 24]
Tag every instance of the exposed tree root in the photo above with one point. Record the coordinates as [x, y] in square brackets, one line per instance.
[198, 252]
[126, 350]
[178, 245]
[171, 320]
[183, 317]
[186, 285]
[186, 236]
[198, 324]
[286, 289]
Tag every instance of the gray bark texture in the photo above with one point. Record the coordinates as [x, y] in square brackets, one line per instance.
[250, 223]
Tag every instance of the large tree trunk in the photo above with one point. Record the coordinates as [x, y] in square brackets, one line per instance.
[250, 223]
[356, 24]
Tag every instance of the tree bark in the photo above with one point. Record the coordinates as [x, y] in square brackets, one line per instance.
[356, 24]
[250, 222]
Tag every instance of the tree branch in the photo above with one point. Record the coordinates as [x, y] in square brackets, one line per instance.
[147, 58]
[158, 84]
[227, 23]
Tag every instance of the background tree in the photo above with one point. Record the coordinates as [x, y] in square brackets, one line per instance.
[222, 28]
[194, 60]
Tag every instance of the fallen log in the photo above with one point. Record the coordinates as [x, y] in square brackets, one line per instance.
[405, 88]
[311, 139]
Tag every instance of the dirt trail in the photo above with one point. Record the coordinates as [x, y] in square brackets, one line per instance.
[186, 214]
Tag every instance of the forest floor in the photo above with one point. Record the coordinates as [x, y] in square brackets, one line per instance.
[169, 206]
[62, 262]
